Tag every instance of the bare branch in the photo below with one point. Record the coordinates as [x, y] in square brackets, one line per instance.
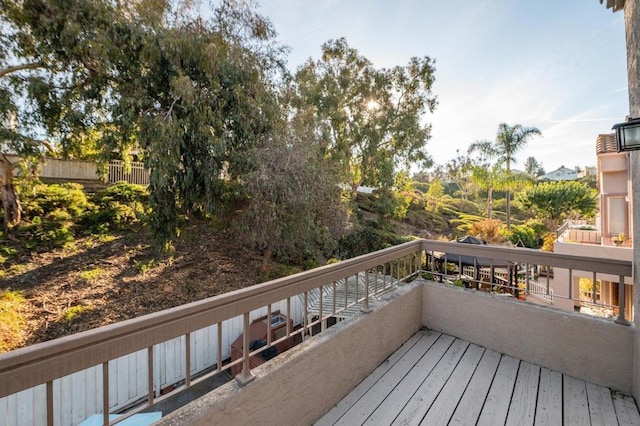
[21, 67]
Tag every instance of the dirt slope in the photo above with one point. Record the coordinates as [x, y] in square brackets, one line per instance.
[99, 283]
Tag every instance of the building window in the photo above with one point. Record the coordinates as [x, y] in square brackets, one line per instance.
[617, 215]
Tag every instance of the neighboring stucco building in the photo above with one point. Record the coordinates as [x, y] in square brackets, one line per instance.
[611, 237]
[561, 173]
[588, 171]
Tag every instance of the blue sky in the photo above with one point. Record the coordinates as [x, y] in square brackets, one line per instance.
[556, 65]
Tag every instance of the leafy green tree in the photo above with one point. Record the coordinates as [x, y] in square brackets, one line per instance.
[195, 95]
[433, 197]
[556, 201]
[457, 171]
[488, 178]
[509, 140]
[51, 77]
[290, 207]
[533, 168]
[371, 119]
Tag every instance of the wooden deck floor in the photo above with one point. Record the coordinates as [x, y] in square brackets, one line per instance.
[436, 379]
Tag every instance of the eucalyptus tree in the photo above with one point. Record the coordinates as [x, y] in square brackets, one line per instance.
[371, 120]
[509, 141]
[532, 167]
[288, 204]
[53, 69]
[458, 170]
[195, 95]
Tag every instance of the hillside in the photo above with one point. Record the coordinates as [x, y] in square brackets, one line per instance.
[68, 291]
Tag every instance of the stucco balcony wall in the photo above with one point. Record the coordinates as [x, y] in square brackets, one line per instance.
[588, 348]
[302, 384]
[307, 381]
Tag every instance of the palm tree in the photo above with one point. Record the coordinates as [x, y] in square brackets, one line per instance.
[488, 178]
[509, 140]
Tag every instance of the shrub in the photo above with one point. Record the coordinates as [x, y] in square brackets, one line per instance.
[50, 212]
[463, 206]
[274, 271]
[489, 230]
[523, 235]
[11, 320]
[548, 241]
[42, 200]
[359, 242]
[538, 227]
[119, 207]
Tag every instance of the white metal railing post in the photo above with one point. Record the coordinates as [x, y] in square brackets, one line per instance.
[150, 384]
[219, 346]
[570, 284]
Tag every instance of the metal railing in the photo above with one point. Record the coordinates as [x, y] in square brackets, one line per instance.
[136, 173]
[44, 363]
[331, 291]
[519, 271]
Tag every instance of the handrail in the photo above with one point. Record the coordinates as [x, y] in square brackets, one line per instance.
[524, 255]
[83, 350]
[562, 228]
[44, 362]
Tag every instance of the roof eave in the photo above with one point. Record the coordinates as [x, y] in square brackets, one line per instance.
[616, 5]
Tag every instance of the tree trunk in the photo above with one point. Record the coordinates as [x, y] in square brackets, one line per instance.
[489, 203]
[354, 190]
[508, 208]
[10, 202]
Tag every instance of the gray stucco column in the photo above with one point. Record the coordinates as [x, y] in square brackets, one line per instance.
[632, 31]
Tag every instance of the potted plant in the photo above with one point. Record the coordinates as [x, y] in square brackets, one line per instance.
[619, 239]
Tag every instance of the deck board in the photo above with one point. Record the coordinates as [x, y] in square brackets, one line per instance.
[496, 405]
[626, 409]
[421, 401]
[352, 397]
[522, 410]
[362, 409]
[388, 410]
[601, 410]
[438, 379]
[447, 401]
[472, 400]
[549, 408]
[576, 406]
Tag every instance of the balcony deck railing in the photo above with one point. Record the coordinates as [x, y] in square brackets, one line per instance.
[42, 365]
[134, 173]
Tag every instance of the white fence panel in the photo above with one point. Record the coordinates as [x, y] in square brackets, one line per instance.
[137, 174]
[26, 408]
[76, 396]
[79, 395]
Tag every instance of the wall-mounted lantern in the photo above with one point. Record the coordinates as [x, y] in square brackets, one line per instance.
[628, 134]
